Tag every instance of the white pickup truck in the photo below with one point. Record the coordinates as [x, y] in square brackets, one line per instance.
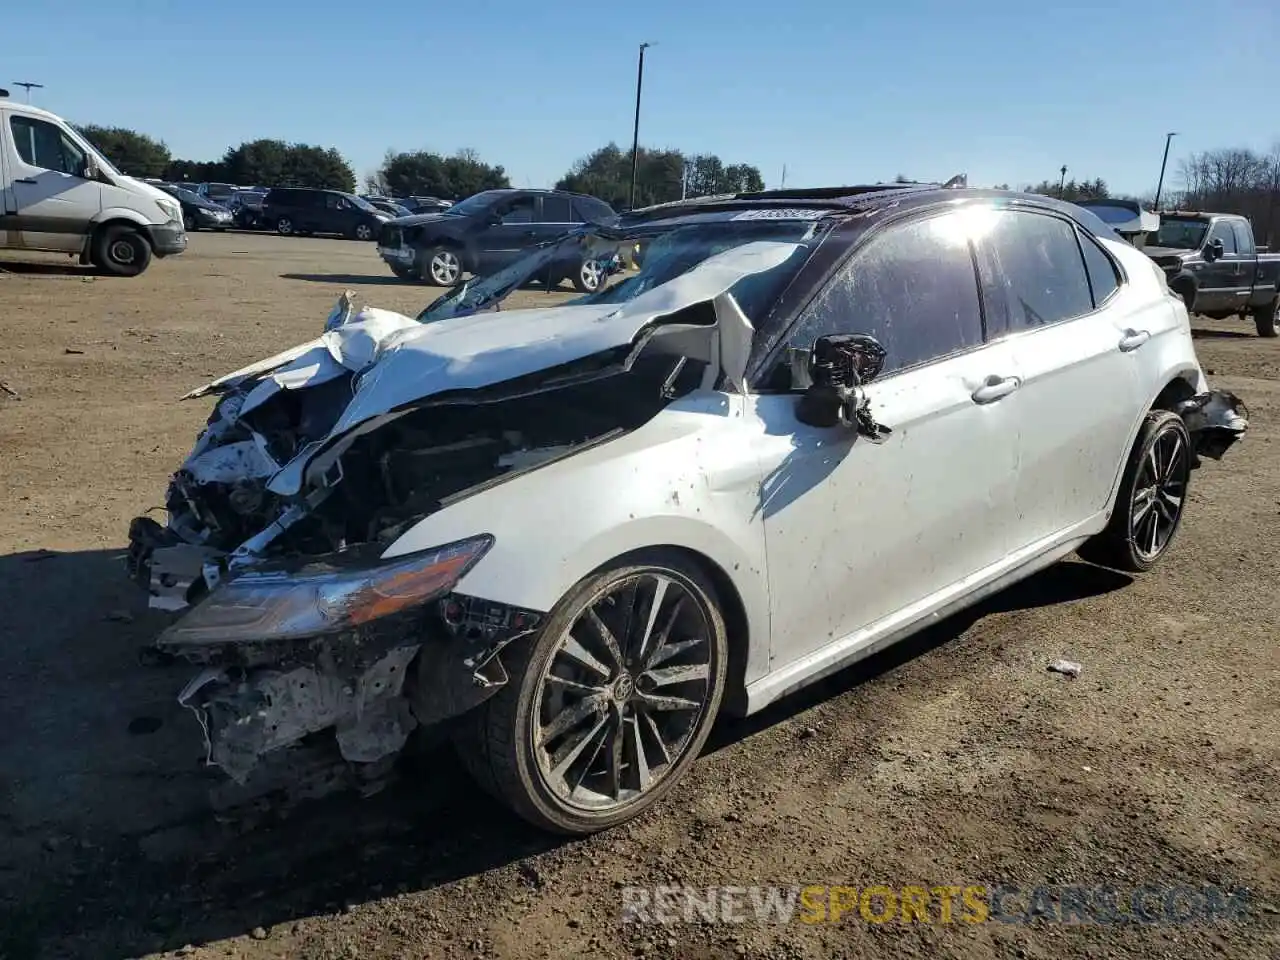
[58, 193]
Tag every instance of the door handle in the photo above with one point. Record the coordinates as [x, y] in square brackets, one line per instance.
[1133, 339]
[25, 180]
[995, 387]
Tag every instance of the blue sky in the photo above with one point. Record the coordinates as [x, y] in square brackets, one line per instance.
[839, 92]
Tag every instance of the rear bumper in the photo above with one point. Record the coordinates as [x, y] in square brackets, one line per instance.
[168, 239]
[1215, 420]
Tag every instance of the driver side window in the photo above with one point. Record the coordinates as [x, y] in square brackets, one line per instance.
[1222, 231]
[913, 288]
[41, 144]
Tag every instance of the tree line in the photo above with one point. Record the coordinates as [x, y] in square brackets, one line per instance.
[661, 175]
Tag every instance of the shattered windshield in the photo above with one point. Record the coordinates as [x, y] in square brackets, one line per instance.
[660, 252]
[1180, 233]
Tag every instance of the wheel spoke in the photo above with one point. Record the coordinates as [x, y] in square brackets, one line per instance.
[660, 585]
[645, 718]
[613, 757]
[577, 687]
[668, 675]
[1155, 531]
[656, 702]
[643, 776]
[668, 650]
[570, 717]
[605, 636]
[572, 648]
[564, 757]
[662, 650]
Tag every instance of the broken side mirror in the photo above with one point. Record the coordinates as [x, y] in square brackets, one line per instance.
[1214, 250]
[839, 364]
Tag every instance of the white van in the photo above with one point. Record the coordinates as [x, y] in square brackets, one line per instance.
[58, 193]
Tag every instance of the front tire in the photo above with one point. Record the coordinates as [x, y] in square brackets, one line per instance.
[441, 266]
[284, 227]
[1264, 318]
[1152, 496]
[362, 231]
[121, 251]
[610, 702]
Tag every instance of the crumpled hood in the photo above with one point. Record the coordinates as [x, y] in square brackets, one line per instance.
[399, 361]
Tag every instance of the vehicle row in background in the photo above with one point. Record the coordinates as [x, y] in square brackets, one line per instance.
[493, 229]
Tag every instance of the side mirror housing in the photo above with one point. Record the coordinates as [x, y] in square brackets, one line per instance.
[1213, 251]
[90, 171]
[838, 365]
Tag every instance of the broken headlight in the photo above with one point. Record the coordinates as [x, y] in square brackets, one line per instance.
[320, 599]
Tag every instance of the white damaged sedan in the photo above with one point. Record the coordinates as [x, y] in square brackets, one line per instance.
[811, 423]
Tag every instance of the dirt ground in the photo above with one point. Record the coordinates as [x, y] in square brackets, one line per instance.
[954, 759]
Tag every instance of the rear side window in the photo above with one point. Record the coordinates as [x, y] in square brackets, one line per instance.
[1103, 279]
[556, 209]
[914, 288]
[1040, 271]
[1244, 238]
[591, 209]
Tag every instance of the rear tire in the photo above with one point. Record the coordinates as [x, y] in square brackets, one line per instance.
[646, 742]
[1264, 318]
[121, 251]
[1151, 500]
[284, 227]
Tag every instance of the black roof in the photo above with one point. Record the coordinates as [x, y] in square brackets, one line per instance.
[866, 198]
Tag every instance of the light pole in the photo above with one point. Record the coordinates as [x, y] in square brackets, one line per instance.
[28, 85]
[1168, 138]
[635, 135]
[1063, 181]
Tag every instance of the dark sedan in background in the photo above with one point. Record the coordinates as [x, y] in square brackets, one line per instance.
[198, 213]
[490, 230]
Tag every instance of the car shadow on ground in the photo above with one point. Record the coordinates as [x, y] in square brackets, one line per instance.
[47, 269]
[103, 806]
[1202, 333]
[350, 278]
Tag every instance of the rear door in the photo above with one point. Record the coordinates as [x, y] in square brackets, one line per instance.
[555, 216]
[501, 243]
[1077, 354]
[7, 208]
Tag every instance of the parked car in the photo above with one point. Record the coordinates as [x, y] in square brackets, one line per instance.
[220, 193]
[59, 193]
[423, 204]
[814, 422]
[303, 210]
[389, 207]
[1212, 262]
[488, 231]
[198, 212]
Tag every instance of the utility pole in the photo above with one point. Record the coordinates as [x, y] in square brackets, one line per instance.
[635, 135]
[1062, 182]
[784, 178]
[1168, 137]
[28, 85]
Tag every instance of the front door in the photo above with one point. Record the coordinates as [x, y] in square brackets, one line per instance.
[1078, 341]
[863, 535]
[53, 204]
[503, 242]
[1220, 280]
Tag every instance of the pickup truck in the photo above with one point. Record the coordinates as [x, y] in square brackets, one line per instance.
[1212, 262]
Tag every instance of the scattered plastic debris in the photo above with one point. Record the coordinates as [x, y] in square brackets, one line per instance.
[1068, 668]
